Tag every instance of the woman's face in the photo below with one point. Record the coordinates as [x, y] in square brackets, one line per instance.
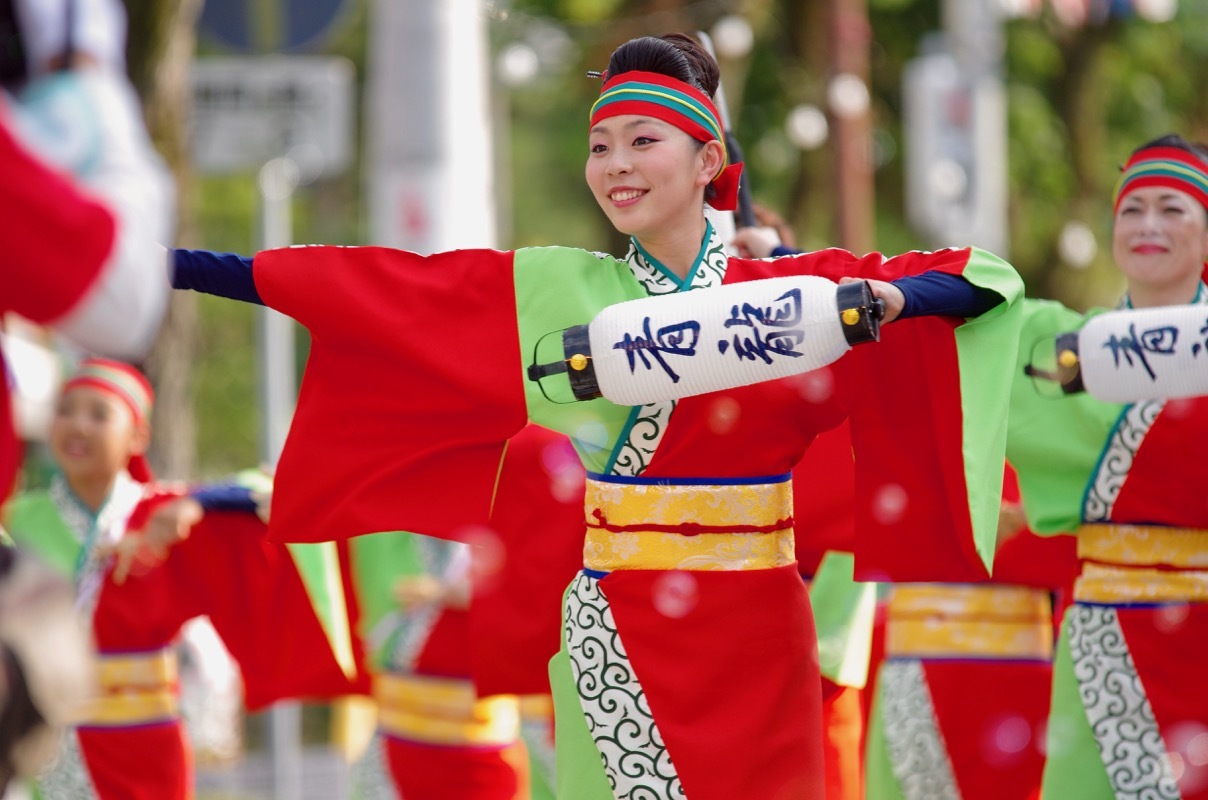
[1160, 237]
[93, 435]
[648, 175]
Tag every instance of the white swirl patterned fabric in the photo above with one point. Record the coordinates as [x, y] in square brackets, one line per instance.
[1118, 459]
[370, 774]
[67, 778]
[94, 532]
[645, 432]
[649, 422]
[614, 706]
[916, 747]
[1117, 709]
[540, 744]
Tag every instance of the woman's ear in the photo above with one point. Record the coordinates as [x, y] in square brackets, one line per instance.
[712, 156]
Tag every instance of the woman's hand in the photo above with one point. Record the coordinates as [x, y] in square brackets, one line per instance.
[414, 591]
[263, 501]
[891, 295]
[168, 525]
[755, 242]
[1011, 522]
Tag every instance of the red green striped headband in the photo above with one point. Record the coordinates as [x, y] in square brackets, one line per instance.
[650, 94]
[1171, 167]
[120, 380]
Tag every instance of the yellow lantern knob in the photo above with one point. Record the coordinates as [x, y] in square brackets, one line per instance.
[1067, 358]
[850, 316]
[578, 362]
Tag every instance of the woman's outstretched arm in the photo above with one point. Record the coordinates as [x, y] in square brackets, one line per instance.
[221, 274]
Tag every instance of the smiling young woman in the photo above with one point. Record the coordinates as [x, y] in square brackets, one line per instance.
[688, 664]
[128, 739]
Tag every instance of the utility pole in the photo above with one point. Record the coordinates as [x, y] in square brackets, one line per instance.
[851, 125]
[428, 162]
[975, 32]
[954, 121]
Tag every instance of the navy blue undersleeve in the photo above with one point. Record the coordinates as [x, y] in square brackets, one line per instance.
[934, 294]
[222, 274]
[941, 294]
[224, 497]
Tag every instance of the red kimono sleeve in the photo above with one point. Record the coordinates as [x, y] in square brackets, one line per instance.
[56, 238]
[928, 474]
[411, 389]
[929, 429]
[537, 522]
[56, 241]
[252, 592]
[824, 487]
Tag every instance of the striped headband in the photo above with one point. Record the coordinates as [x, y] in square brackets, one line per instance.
[1171, 167]
[128, 385]
[651, 94]
[121, 380]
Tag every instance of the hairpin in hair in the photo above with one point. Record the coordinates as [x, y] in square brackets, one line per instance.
[594, 73]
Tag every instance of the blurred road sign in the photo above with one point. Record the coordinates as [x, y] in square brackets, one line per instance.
[247, 111]
[269, 26]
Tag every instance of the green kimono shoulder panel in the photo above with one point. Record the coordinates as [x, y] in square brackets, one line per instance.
[35, 525]
[557, 288]
[1054, 441]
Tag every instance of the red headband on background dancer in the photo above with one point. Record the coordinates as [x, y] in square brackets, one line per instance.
[128, 385]
[1169, 167]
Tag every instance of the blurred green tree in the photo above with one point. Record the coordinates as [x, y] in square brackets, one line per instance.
[1079, 99]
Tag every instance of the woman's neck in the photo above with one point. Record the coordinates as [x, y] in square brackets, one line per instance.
[1169, 295]
[92, 492]
[676, 250]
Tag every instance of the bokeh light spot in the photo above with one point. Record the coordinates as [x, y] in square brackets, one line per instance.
[675, 594]
[889, 504]
[723, 415]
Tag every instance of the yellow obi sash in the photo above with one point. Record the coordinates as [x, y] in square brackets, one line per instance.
[536, 706]
[135, 689]
[986, 621]
[1142, 564]
[636, 524]
[444, 711]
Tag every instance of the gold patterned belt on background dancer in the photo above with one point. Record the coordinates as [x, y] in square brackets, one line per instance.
[135, 689]
[973, 620]
[665, 524]
[445, 711]
[1142, 564]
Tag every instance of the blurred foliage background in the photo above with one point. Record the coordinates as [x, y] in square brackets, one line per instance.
[1079, 99]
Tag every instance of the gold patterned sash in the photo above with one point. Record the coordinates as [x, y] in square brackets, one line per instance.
[135, 689]
[536, 706]
[688, 526]
[444, 711]
[1142, 564]
[988, 621]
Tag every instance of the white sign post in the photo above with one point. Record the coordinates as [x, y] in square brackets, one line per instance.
[250, 110]
[289, 119]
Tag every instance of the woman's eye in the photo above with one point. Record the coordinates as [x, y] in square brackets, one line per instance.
[644, 140]
[598, 148]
